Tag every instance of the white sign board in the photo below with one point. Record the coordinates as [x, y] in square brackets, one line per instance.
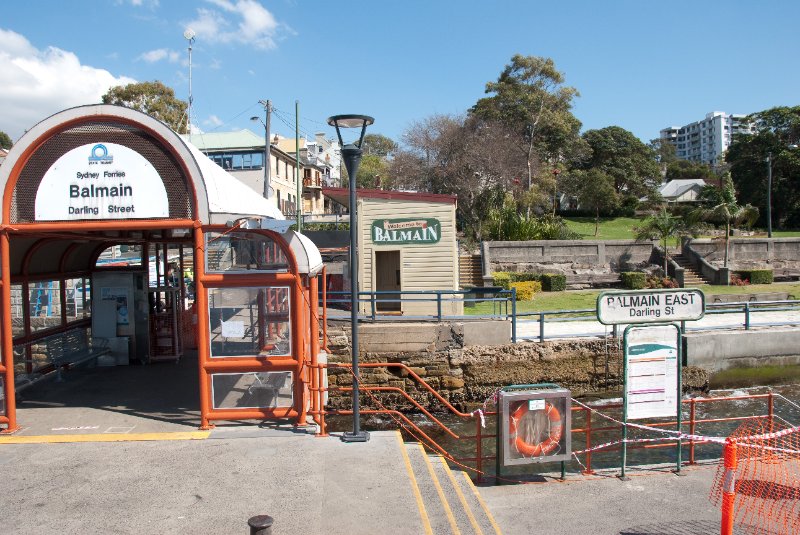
[233, 329]
[101, 181]
[651, 364]
[650, 306]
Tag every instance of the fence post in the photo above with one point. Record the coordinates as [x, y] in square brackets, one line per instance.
[728, 488]
[479, 447]
[438, 306]
[372, 298]
[771, 410]
[747, 316]
[260, 525]
[513, 315]
[541, 326]
[588, 426]
[691, 429]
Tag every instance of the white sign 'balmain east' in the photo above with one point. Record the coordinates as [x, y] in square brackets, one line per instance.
[101, 181]
[650, 306]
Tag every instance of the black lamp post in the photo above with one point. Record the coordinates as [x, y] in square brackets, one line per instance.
[351, 154]
[769, 194]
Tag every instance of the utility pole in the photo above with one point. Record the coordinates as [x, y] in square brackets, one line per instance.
[299, 208]
[267, 145]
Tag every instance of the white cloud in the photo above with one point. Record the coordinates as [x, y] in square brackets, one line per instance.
[213, 120]
[159, 54]
[37, 83]
[250, 23]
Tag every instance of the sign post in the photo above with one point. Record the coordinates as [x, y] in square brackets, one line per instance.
[652, 351]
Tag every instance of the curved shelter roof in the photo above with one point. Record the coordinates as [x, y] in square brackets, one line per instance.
[198, 190]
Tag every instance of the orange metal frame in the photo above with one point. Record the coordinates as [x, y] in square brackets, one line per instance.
[304, 319]
[588, 430]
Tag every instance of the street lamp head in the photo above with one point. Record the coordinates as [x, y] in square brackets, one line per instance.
[254, 118]
[350, 121]
[189, 34]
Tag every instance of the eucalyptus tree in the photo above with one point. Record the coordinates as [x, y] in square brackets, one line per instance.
[531, 101]
[154, 99]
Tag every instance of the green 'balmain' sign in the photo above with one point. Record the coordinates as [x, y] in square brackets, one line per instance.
[406, 231]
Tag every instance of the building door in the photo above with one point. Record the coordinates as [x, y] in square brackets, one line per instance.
[387, 279]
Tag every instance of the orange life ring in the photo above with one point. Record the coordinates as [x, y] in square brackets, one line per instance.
[538, 448]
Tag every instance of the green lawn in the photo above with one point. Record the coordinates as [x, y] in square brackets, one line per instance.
[617, 228]
[586, 299]
[621, 228]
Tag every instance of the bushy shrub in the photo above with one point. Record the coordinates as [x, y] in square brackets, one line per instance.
[553, 282]
[633, 280]
[501, 278]
[661, 282]
[757, 276]
[526, 289]
[736, 280]
[523, 276]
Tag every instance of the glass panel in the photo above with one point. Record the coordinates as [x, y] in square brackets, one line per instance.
[249, 321]
[251, 390]
[243, 252]
[45, 305]
[78, 295]
[17, 312]
[121, 256]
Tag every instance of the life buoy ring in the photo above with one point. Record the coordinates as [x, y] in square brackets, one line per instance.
[544, 447]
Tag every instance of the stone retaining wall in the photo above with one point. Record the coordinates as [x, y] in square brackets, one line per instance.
[569, 257]
[752, 253]
[468, 376]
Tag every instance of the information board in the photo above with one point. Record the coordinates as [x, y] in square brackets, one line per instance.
[651, 364]
[650, 306]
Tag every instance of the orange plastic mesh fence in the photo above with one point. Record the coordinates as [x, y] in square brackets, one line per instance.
[767, 478]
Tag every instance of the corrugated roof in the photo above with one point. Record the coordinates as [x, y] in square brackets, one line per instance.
[242, 139]
[676, 188]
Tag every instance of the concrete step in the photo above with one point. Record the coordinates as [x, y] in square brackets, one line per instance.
[451, 505]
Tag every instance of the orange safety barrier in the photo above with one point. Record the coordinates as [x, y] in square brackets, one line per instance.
[758, 483]
[587, 428]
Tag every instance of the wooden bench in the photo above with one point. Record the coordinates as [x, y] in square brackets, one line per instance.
[63, 351]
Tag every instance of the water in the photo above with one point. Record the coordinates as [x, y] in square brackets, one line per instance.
[786, 412]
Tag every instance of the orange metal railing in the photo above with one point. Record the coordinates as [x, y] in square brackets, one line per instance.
[589, 429]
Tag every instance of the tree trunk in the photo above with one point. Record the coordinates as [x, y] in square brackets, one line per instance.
[596, 221]
[727, 242]
[666, 257]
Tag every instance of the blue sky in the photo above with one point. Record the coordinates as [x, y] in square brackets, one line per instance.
[637, 64]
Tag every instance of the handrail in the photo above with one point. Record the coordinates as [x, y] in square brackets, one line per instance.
[588, 429]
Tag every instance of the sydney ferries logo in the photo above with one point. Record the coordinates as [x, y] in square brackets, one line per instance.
[99, 154]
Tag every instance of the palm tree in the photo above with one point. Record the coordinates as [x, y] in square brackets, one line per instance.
[720, 206]
[662, 226]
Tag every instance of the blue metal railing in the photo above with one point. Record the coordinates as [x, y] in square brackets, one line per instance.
[382, 304]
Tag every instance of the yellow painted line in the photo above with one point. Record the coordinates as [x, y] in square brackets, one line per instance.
[461, 497]
[414, 487]
[449, 512]
[121, 437]
[483, 503]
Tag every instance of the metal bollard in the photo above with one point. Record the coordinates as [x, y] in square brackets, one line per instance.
[260, 525]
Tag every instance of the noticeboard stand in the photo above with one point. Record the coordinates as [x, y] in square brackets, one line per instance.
[499, 420]
[678, 393]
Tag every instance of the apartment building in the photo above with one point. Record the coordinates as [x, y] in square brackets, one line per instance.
[708, 139]
[241, 153]
[321, 161]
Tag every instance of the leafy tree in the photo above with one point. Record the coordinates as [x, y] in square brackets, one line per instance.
[531, 101]
[461, 156]
[154, 99]
[379, 145]
[720, 206]
[685, 169]
[375, 162]
[749, 156]
[5, 140]
[631, 164]
[595, 191]
[663, 226]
